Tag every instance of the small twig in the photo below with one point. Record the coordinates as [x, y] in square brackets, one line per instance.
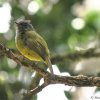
[37, 89]
[33, 91]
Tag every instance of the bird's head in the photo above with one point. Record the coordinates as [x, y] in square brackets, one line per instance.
[24, 25]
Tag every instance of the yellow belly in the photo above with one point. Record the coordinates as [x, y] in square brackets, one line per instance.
[25, 51]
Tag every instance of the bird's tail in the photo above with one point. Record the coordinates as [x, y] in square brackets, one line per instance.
[48, 62]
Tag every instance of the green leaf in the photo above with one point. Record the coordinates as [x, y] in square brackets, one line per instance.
[68, 95]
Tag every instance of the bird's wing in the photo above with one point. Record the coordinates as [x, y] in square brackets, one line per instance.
[38, 45]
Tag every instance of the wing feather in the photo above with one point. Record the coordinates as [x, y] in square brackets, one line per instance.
[37, 45]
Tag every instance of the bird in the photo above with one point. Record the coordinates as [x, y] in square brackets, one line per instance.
[30, 44]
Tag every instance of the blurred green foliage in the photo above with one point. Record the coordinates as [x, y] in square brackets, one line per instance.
[53, 22]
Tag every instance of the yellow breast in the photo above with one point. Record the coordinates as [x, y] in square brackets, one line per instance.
[25, 51]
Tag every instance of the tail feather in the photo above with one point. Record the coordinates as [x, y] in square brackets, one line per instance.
[49, 65]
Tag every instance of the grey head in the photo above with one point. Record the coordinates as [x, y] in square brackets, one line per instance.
[23, 26]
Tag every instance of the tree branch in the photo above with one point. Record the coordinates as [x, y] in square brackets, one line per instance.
[37, 89]
[34, 91]
[79, 80]
[83, 54]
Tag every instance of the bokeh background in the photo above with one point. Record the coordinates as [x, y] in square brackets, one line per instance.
[67, 26]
